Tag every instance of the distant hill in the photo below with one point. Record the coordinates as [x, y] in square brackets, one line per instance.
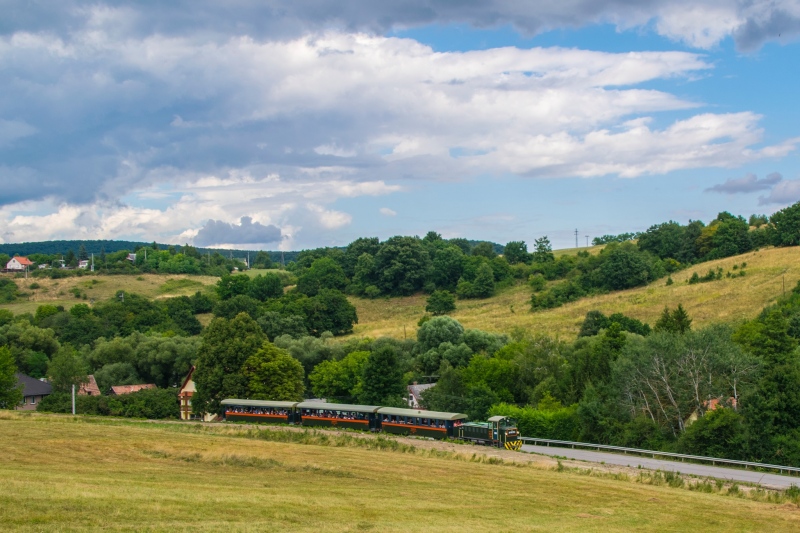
[96, 246]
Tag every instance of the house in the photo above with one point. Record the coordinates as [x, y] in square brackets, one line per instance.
[185, 396]
[710, 405]
[119, 390]
[89, 388]
[33, 390]
[83, 263]
[131, 258]
[19, 263]
[415, 394]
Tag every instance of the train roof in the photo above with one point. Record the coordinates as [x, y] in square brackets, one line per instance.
[257, 403]
[338, 407]
[436, 415]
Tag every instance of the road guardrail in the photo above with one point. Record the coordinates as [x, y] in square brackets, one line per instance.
[713, 460]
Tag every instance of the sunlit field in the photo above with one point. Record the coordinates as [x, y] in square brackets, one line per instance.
[727, 300]
[63, 473]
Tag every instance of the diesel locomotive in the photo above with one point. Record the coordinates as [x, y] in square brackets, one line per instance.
[499, 431]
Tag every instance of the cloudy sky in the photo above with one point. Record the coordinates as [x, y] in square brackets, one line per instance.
[267, 124]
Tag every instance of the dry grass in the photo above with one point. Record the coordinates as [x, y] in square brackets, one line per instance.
[97, 287]
[64, 473]
[726, 300]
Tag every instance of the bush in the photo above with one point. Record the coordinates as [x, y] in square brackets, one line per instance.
[558, 424]
[150, 404]
[440, 303]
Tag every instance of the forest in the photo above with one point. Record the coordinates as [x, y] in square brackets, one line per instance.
[725, 390]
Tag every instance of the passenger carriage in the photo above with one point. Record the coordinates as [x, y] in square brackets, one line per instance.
[259, 411]
[432, 424]
[339, 415]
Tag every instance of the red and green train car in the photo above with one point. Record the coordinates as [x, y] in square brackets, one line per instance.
[499, 431]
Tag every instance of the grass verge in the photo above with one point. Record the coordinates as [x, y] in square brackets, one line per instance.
[71, 473]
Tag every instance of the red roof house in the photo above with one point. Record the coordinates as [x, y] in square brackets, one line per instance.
[89, 388]
[118, 390]
[18, 263]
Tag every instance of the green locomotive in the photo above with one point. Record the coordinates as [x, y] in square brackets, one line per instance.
[499, 431]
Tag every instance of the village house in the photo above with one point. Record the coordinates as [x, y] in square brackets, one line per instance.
[185, 396]
[33, 390]
[415, 394]
[83, 263]
[119, 390]
[19, 263]
[89, 388]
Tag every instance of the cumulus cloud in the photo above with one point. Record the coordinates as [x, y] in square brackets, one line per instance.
[385, 211]
[748, 183]
[217, 232]
[166, 116]
[784, 193]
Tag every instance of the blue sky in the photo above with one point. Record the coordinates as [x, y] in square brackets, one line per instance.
[287, 126]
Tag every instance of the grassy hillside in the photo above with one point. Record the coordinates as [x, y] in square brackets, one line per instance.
[62, 291]
[729, 299]
[65, 473]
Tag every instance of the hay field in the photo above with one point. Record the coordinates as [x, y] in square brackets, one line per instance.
[61, 473]
[101, 287]
[726, 300]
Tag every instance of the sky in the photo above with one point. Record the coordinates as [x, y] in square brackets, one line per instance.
[265, 124]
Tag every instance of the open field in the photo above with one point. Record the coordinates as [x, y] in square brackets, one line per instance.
[65, 473]
[97, 287]
[726, 300]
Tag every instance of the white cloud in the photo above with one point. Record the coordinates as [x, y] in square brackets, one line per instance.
[165, 127]
[385, 211]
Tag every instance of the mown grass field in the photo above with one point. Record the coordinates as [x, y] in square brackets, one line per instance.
[726, 300]
[61, 473]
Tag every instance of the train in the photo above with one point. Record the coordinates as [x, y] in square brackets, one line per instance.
[498, 431]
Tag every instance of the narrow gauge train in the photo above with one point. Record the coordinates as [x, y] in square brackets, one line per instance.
[499, 431]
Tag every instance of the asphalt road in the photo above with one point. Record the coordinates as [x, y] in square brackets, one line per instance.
[776, 481]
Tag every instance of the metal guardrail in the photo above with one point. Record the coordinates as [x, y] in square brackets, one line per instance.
[653, 454]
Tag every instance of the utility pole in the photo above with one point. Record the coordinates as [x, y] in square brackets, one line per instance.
[587, 241]
[576, 238]
[92, 262]
[73, 399]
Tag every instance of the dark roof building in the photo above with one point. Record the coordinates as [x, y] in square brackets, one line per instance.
[33, 390]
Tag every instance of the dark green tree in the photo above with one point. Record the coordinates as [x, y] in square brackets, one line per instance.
[441, 303]
[401, 265]
[624, 268]
[273, 374]
[227, 344]
[484, 249]
[262, 288]
[676, 321]
[784, 229]
[10, 393]
[329, 310]
[516, 252]
[229, 286]
[382, 378]
[82, 253]
[543, 251]
[324, 273]
[483, 285]
[66, 369]
[448, 267]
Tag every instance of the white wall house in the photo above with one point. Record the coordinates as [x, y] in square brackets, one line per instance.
[19, 263]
